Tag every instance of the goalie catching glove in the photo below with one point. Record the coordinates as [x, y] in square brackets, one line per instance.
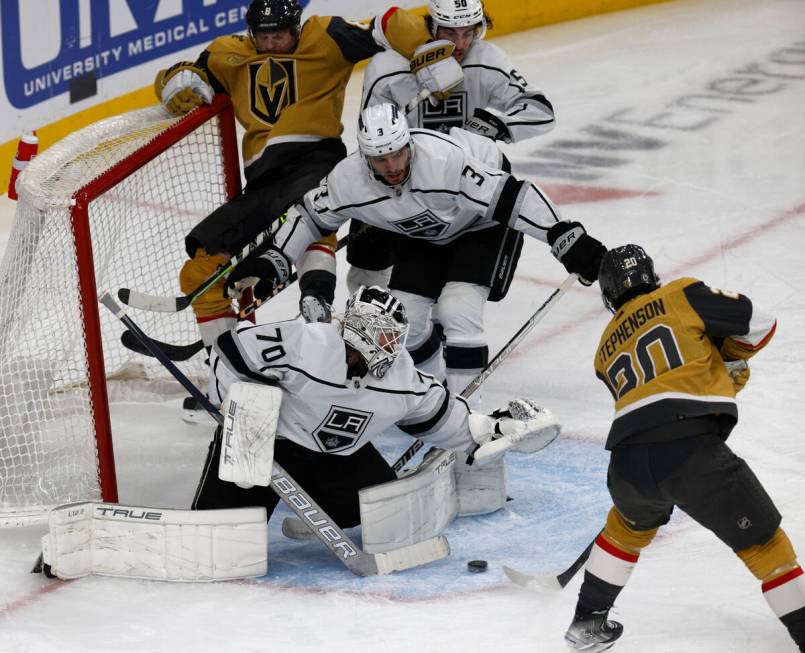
[523, 426]
[579, 253]
[436, 70]
[183, 87]
[264, 273]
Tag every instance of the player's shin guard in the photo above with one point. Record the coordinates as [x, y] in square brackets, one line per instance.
[213, 309]
[464, 363]
[427, 354]
[775, 564]
[612, 560]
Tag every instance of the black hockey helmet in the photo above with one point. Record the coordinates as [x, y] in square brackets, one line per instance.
[625, 272]
[273, 15]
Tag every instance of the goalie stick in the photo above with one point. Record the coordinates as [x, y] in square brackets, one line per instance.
[296, 498]
[507, 349]
[549, 581]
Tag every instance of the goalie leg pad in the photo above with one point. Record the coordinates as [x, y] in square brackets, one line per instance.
[480, 489]
[251, 412]
[412, 509]
[154, 543]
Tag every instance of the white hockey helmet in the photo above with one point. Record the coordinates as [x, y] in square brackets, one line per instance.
[453, 13]
[375, 326]
[382, 129]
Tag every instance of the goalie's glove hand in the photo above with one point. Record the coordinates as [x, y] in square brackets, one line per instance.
[488, 124]
[579, 253]
[264, 273]
[182, 88]
[523, 426]
[436, 70]
[739, 373]
[314, 308]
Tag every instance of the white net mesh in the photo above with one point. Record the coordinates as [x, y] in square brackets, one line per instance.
[47, 426]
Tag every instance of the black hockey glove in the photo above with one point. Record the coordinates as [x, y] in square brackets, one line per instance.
[579, 253]
[264, 272]
[318, 292]
[488, 124]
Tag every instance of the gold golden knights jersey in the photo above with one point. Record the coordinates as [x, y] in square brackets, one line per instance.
[662, 357]
[299, 96]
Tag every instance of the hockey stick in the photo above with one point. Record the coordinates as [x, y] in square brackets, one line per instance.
[176, 353]
[163, 304]
[549, 582]
[507, 349]
[296, 498]
[424, 94]
[183, 352]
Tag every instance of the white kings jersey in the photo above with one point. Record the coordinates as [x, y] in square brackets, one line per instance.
[490, 82]
[453, 188]
[322, 409]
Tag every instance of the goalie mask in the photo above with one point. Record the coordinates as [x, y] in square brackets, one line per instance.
[625, 272]
[375, 326]
[383, 130]
[449, 13]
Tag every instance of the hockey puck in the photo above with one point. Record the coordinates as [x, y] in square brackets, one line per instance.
[476, 566]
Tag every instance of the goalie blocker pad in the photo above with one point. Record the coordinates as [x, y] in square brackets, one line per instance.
[154, 543]
[251, 412]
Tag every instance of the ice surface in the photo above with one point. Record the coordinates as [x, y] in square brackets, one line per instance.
[680, 127]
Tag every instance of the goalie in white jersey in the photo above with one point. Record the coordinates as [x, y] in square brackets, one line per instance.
[343, 384]
[494, 100]
[446, 195]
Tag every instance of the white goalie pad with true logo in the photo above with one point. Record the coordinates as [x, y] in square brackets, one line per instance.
[412, 509]
[480, 489]
[153, 543]
[251, 412]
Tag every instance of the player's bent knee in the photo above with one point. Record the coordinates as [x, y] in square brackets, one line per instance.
[771, 558]
[621, 534]
[195, 272]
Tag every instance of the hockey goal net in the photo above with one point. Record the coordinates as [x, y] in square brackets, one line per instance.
[106, 207]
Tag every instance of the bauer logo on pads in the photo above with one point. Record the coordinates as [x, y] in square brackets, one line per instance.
[424, 225]
[341, 429]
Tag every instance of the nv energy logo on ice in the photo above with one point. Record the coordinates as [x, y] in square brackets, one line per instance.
[342, 428]
[52, 47]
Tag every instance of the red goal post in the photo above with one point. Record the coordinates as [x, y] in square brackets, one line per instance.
[106, 207]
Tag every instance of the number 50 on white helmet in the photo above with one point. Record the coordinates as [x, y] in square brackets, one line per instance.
[457, 13]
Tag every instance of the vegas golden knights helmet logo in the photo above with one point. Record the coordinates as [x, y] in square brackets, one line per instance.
[272, 88]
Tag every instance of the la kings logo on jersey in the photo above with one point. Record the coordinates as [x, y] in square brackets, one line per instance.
[272, 88]
[424, 225]
[341, 429]
[446, 114]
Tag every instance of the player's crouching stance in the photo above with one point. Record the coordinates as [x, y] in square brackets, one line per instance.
[312, 397]
[340, 385]
[673, 358]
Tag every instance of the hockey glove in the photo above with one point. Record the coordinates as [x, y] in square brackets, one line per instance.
[579, 253]
[436, 70]
[264, 272]
[739, 373]
[182, 88]
[488, 124]
[314, 308]
[523, 427]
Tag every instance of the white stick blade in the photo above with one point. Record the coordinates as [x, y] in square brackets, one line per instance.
[147, 302]
[533, 583]
[414, 555]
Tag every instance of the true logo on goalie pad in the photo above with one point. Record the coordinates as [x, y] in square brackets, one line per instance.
[424, 225]
[341, 429]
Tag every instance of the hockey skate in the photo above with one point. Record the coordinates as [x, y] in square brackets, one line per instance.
[593, 632]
